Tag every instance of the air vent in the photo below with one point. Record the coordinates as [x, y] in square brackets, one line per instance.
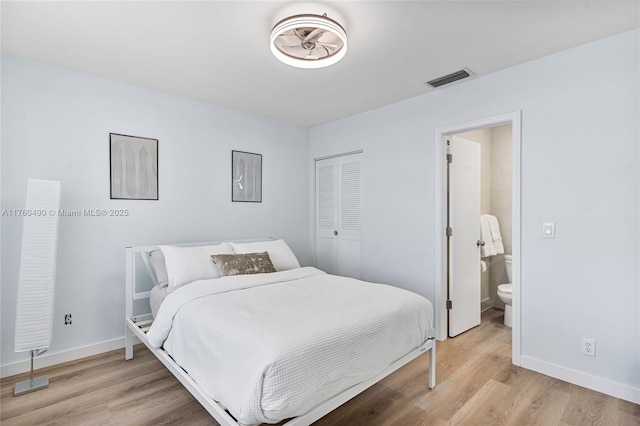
[458, 75]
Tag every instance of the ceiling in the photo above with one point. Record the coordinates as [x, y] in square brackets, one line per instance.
[218, 51]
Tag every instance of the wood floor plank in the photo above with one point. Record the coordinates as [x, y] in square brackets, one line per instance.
[372, 404]
[488, 406]
[588, 407]
[629, 410]
[169, 407]
[476, 384]
[451, 395]
[539, 405]
[415, 416]
[83, 385]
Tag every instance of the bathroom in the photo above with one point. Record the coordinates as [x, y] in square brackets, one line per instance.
[496, 199]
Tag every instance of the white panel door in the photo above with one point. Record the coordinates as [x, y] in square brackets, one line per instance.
[339, 215]
[464, 252]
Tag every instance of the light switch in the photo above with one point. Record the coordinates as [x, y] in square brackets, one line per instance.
[549, 229]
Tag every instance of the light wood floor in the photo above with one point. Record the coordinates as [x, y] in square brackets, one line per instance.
[477, 385]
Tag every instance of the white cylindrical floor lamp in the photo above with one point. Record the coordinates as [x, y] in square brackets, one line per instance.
[37, 276]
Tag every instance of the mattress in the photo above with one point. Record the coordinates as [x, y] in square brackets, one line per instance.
[272, 346]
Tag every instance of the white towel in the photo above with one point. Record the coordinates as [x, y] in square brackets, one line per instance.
[494, 227]
[488, 249]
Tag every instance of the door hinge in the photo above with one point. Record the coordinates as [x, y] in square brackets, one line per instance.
[449, 158]
[449, 304]
[449, 231]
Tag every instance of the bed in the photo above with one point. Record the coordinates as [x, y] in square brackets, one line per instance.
[258, 339]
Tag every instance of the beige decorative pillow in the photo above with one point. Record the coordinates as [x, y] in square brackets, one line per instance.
[242, 264]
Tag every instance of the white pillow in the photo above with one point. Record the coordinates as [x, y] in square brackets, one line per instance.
[159, 267]
[281, 255]
[188, 264]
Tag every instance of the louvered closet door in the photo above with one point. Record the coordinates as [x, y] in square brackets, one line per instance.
[339, 215]
[327, 215]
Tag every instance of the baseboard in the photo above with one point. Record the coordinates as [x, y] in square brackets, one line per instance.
[485, 304]
[47, 360]
[585, 380]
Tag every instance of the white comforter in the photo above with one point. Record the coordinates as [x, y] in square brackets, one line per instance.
[272, 346]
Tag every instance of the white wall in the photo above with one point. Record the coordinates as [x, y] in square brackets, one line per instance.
[56, 125]
[580, 169]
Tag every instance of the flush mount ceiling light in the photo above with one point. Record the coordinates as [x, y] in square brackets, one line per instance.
[308, 41]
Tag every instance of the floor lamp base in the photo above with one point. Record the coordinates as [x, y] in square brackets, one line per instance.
[31, 385]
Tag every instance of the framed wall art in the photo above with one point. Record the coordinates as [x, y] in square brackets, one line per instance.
[134, 167]
[246, 177]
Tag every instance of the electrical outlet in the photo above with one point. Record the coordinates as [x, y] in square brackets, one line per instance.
[549, 229]
[588, 346]
[67, 319]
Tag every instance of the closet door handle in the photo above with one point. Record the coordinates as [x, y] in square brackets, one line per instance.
[335, 233]
[480, 243]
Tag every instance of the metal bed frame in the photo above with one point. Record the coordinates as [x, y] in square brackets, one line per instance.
[137, 326]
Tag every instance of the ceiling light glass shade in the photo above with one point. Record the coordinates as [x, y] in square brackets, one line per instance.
[308, 41]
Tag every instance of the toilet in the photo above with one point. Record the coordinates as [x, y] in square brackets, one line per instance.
[504, 291]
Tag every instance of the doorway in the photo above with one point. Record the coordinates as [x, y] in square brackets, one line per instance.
[442, 249]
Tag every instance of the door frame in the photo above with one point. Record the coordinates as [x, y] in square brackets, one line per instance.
[515, 119]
